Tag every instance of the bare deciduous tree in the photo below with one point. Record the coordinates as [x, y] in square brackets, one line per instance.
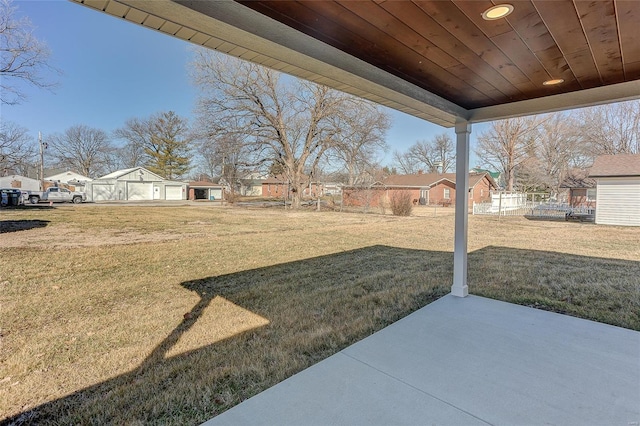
[558, 149]
[435, 155]
[17, 148]
[507, 144]
[81, 148]
[23, 58]
[136, 134]
[362, 129]
[223, 156]
[611, 129]
[405, 162]
[279, 120]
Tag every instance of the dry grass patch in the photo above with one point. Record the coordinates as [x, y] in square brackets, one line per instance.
[171, 315]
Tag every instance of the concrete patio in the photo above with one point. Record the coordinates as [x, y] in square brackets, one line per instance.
[465, 361]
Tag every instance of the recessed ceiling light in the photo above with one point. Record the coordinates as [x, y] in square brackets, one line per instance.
[553, 82]
[497, 12]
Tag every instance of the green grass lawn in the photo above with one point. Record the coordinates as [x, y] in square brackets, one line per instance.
[171, 315]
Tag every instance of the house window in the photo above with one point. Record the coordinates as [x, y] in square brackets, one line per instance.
[591, 194]
[470, 193]
[447, 193]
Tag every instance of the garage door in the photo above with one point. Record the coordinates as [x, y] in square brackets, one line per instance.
[102, 192]
[140, 191]
[216, 194]
[173, 192]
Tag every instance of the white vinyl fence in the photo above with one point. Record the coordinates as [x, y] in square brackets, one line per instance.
[505, 203]
[520, 204]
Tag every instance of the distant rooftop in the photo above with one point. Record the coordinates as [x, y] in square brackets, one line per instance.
[616, 165]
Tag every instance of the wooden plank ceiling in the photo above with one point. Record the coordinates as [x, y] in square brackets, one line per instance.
[448, 49]
[435, 59]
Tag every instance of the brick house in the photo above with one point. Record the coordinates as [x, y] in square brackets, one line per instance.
[279, 187]
[581, 188]
[425, 188]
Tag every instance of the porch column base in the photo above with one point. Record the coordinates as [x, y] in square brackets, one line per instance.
[460, 291]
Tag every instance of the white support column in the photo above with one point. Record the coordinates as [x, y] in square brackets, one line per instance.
[459, 287]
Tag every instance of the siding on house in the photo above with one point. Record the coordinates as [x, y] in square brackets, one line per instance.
[20, 182]
[136, 184]
[618, 201]
[618, 189]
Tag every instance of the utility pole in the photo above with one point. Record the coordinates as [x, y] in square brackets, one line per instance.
[43, 146]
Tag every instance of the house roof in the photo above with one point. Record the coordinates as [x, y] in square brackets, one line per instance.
[280, 179]
[119, 173]
[494, 175]
[69, 175]
[616, 165]
[435, 59]
[578, 179]
[423, 180]
[204, 184]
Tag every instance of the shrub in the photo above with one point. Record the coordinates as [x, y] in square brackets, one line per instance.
[401, 203]
[230, 197]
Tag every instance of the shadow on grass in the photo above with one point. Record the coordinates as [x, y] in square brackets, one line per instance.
[315, 308]
[7, 226]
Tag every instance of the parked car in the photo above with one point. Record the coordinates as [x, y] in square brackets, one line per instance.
[57, 195]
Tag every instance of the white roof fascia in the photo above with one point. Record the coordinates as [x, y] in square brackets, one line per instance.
[585, 98]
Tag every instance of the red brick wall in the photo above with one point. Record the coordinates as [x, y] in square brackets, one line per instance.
[437, 194]
[362, 197]
[274, 189]
[481, 192]
[578, 198]
[280, 190]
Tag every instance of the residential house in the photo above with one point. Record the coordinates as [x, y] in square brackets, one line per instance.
[74, 180]
[251, 184]
[581, 189]
[425, 188]
[332, 188]
[280, 187]
[496, 176]
[618, 187]
[135, 184]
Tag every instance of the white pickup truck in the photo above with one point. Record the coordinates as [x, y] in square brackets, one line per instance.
[57, 195]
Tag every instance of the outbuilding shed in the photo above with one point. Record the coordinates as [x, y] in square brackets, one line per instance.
[19, 182]
[136, 184]
[618, 188]
[69, 177]
[202, 190]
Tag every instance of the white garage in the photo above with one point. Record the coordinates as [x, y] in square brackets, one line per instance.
[173, 192]
[137, 191]
[135, 184]
[102, 192]
[618, 189]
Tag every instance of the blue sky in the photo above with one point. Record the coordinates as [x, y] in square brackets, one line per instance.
[113, 70]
